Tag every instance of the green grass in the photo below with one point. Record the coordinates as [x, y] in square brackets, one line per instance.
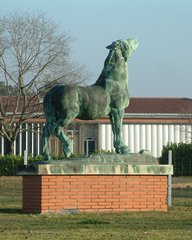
[181, 180]
[182, 191]
[174, 224]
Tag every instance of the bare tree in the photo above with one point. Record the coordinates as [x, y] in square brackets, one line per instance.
[184, 129]
[34, 56]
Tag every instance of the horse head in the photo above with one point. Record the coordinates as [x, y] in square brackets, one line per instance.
[116, 61]
[125, 46]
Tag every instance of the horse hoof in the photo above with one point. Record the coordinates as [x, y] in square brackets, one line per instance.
[123, 149]
[126, 150]
[67, 150]
[47, 157]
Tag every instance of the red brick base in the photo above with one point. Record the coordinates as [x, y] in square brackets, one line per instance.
[88, 193]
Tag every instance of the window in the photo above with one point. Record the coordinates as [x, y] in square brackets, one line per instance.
[89, 146]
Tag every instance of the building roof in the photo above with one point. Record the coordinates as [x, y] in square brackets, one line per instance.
[34, 104]
[160, 105]
[136, 106]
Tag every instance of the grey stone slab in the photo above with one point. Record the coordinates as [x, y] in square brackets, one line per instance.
[100, 164]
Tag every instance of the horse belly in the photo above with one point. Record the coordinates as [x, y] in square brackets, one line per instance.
[95, 103]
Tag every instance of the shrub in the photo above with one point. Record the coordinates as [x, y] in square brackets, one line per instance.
[10, 162]
[181, 158]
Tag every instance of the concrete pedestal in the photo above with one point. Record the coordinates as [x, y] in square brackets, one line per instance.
[85, 186]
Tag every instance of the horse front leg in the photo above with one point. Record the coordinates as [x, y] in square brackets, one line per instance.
[116, 118]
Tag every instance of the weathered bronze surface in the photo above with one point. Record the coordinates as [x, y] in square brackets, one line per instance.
[112, 164]
[108, 96]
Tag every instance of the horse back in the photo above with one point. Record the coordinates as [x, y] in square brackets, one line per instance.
[84, 103]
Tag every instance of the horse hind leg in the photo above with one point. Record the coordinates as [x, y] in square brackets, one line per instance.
[58, 131]
[46, 133]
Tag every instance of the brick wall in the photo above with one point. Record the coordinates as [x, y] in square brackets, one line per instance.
[88, 193]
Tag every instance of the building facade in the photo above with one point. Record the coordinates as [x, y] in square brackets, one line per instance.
[149, 123]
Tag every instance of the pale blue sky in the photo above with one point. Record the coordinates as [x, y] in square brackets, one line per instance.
[160, 67]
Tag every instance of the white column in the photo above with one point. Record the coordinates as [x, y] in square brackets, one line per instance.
[177, 133]
[159, 139]
[154, 140]
[112, 140]
[188, 133]
[137, 138]
[20, 140]
[108, 140]
[131, 137]
[165, 134]
[148, 137]
[171, 133]
[2, 145]
[27, 140]
[38, 138]
[182, 133]
[142, 137]
[14, 145]
[102, 136]
[32, 139]
[125, 134]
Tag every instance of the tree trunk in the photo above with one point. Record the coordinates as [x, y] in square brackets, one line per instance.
[9, 147]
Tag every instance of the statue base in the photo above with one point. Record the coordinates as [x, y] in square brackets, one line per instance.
[98, 183]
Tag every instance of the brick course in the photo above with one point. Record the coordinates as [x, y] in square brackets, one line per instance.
[87, 193]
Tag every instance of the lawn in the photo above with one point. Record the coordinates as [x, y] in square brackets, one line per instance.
[174, 224]
[182, 191]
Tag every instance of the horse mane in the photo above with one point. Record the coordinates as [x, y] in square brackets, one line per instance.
[118, 49]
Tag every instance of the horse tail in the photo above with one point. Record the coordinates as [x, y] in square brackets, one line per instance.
[49, 113]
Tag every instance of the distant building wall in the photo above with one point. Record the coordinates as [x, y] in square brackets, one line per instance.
[30, 138]
[88, 135]
[150, 136]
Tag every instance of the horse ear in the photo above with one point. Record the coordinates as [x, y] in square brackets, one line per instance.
[113, 45]
[110, 46]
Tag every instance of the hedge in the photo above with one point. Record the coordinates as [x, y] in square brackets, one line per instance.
[181, 153]
[9, 163]
[181, 158]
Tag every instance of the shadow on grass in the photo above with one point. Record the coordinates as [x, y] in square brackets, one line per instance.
[182, 192]
[9, 210]
[91, 221]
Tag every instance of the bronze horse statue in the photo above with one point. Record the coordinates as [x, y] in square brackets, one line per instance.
[108, 96]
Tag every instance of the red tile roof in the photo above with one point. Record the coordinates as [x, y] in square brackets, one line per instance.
[160, 105]
[12, 104]
[137, 105]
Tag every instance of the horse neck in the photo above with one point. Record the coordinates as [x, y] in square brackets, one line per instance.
[118, 73]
